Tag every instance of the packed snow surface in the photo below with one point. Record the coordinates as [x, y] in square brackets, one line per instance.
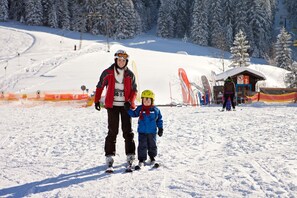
[58, 151]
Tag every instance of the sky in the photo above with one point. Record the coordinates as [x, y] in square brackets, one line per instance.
[57, 149]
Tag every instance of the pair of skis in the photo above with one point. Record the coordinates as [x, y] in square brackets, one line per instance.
[154, 165]
[130, 169]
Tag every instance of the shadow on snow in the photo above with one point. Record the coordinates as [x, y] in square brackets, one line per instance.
[61, 181]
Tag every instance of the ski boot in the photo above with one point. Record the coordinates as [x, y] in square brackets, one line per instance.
[154, 163]
[140, 165]
[109, 164]
[130, 160]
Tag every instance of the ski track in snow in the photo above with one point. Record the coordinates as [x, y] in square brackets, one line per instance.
[53, 150]
[22, 43]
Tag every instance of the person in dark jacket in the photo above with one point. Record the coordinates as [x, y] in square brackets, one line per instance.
[150, 120]
[229, 92]
[121, 89]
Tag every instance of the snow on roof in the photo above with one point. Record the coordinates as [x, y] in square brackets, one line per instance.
[238, 70]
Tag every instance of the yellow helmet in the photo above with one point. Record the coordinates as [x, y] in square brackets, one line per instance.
[148, 94]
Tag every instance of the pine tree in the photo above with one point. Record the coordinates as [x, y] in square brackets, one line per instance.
[142, 13]
[148, 12]
[217, 33]
[291, 78]
[165, 24]
[240, 57]
[91, 16]
[34, 12]
[3, 10]
[283, 57]
[181, 17]
[292, 7]
[126, 23]
[63, 14]
[77, 22]
[241, 18]
[16, 9]
[260, 22]
[53, 15]
[46, 5]
[199, 29]
[228, 21]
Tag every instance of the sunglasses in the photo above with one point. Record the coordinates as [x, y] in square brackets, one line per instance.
[122, 55]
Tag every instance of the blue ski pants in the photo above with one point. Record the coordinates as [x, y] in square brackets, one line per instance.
[147, 145]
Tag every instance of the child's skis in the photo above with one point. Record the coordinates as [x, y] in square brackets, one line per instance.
[153, 165]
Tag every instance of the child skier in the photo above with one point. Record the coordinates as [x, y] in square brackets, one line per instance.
[150, 119]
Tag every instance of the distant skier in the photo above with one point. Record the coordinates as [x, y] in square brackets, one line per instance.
[150, 119]
[229, 92]
[121, 89]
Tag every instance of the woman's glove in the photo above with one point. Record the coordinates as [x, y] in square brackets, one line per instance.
[97, 106]
[127, 106]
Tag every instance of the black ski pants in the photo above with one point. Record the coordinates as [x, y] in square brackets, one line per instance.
[146, 146]
[114, 115]
[226, 96]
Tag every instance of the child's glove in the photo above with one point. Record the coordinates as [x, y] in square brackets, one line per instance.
[97, 106]
[160, 132]
[127, 106]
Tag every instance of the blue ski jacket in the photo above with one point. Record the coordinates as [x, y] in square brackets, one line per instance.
[149, 123]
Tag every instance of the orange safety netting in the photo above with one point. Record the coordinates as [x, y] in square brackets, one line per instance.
[53, 97]
[286, 98]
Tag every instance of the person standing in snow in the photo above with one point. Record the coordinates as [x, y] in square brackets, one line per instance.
[121, 89]
[229, 92]
[150, 119]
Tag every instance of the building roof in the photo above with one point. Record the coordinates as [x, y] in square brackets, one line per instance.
[237, 71]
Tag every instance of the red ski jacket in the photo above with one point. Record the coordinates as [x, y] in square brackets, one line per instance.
[107, 79]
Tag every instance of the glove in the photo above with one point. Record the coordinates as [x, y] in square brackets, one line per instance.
[160, 132]
[97, 106]
[127, 106]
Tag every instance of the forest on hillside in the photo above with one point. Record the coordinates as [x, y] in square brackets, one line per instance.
[204, 22]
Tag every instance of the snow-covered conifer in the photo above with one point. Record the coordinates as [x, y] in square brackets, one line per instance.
[181, 17]
[228, 20]
[148, 12]
[127, 20]
[199, 29]
[283, 52]
[77, 22]
[16, 9]
[240, 56]
[291, 78]
[217, 34]
[3, 10]
[260, 22]
[63, 14]
[34, 12]
[53, 15]
[46, 5]
[165, 24]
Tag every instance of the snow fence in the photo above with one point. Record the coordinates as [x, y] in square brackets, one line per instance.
[274, 98]
[81, 98]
